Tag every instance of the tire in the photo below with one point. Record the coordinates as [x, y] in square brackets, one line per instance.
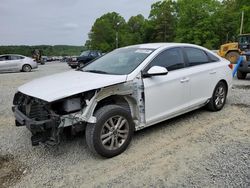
[233, 57]
[241, 75]
[26, 68]
[116, 138]
[81, 64]
[218, 99]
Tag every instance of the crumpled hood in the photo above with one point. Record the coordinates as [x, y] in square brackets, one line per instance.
[58, 86]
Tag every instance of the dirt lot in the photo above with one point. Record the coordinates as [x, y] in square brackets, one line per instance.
[198, 149]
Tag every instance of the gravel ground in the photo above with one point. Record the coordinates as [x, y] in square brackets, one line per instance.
[198, 149]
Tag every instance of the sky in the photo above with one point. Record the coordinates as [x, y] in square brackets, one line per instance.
[53, 22]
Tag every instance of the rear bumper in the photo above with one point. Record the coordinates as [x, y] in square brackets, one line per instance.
[42, 131]
[34, 66]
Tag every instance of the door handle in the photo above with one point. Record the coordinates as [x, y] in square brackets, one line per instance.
[212, 72]
[184, 80]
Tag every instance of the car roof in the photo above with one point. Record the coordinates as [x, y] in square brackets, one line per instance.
[159, 45]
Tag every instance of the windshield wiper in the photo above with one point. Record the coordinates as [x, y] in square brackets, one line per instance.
[95, 71]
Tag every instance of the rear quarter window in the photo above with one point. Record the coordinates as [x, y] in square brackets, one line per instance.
[212, 57]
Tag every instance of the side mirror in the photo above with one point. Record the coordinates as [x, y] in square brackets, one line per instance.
[156, 71]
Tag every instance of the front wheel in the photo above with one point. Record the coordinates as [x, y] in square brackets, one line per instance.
[112, 132]
[218, 99]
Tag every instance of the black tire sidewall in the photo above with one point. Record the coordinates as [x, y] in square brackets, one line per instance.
[98, 146]
[241, 75]
[214, 97]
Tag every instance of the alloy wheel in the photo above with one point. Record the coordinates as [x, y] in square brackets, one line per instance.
[26, 68]
[114, 132]
[220, 95]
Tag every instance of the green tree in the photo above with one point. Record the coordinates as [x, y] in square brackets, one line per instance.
[229, 19]
[162, 22]
[196, 22]
[208, 23]
[244, 5]
[226, 22]
[58, 50]
[103, 33]
[136, 27]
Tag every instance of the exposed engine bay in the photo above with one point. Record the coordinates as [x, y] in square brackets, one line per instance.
[46, 120]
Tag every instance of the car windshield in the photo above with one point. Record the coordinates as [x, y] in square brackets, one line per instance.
[119, 62]
[85, 53]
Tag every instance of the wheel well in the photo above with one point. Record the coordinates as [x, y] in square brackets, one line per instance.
[25, 65]
[225, 82]
[114, 99]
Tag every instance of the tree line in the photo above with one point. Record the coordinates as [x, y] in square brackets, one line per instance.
[209, 23]
[47, 50]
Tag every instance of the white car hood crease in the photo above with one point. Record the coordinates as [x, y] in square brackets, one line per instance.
[59, 86]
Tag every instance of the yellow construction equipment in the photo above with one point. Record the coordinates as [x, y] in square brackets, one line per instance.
[232, 51]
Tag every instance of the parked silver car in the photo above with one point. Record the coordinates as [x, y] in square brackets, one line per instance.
[13, 62]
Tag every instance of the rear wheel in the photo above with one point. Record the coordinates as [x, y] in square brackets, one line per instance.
[218, 99]
[233, 57]
[241, 75]
[26, 68]
[112, 132]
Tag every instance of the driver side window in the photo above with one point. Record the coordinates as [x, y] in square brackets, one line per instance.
[172, 59]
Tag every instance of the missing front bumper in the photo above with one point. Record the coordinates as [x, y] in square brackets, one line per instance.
[45, 131]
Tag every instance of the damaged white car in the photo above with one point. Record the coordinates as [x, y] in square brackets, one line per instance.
[125, 90]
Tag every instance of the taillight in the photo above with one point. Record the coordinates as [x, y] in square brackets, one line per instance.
[231, 66]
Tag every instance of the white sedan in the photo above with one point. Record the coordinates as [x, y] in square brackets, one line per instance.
[13, 62]
[124, 91]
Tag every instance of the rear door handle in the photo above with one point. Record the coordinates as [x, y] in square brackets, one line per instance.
[183, 80]
[212, 72]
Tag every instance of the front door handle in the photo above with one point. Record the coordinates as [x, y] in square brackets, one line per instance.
[183, 80]
[212, 72]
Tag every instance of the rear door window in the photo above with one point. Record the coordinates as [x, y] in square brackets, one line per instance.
[196, 56]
